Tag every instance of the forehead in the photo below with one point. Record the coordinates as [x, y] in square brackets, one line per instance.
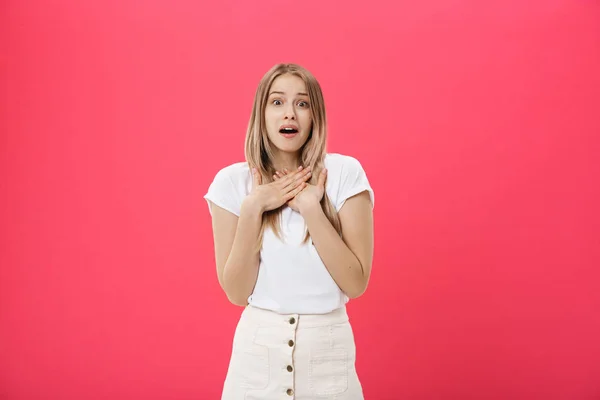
[288, 84]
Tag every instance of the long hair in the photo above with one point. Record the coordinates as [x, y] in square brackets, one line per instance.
[259, 152]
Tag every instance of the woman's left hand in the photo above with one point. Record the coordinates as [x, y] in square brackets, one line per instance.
[309, 196]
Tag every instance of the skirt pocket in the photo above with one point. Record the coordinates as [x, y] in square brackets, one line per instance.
[251, 367]
[328, 372]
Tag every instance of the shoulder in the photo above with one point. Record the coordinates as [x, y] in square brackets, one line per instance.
[341, 164]
[236, 174]
[333, 160]
[345, 178]
[229, 186]
[234, 171]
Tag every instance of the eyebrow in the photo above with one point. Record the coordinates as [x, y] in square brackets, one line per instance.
[276, 92]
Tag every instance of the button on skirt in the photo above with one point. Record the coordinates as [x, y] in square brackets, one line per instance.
[292, 356]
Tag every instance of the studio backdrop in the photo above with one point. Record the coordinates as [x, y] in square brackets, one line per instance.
[477, 125]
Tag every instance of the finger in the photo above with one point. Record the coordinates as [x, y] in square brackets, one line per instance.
[322, 178]
[295, 192]
[306, 175]
[300, 170]
[298, 180]
[275, 177]
[300, 173]
[287, 171]
[288, 177]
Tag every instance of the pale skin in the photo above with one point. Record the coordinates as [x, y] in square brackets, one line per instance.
[236, 257]
[348, 258]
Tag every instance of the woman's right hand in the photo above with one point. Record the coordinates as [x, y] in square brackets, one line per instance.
[275, 194]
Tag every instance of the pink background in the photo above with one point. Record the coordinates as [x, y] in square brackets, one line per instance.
[477, 123]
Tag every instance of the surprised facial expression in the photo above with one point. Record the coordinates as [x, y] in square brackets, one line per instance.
[287, 114]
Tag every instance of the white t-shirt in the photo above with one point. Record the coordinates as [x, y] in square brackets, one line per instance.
[292, 278]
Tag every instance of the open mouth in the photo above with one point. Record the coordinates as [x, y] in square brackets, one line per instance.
[288, 132]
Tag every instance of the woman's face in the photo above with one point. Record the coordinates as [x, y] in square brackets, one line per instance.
[287, 114]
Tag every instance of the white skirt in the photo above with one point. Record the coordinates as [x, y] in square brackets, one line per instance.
[292, 356]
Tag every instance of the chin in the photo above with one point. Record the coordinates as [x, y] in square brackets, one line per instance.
[289, 149]
[289, 146]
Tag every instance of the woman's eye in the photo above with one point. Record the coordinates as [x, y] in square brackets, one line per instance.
[276, 102]
[303, 104]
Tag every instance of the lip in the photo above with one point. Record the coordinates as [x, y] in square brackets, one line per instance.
[288, 126]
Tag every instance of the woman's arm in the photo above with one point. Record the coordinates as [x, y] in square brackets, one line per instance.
[235, 254]
[348, 260]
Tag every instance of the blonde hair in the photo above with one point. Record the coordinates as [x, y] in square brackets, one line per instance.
[259, 153]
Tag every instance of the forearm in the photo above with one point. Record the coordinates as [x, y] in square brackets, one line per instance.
[343, 265]
[241, 269]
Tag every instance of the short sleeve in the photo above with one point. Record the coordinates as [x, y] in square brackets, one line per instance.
[224, 192]
[353, 180]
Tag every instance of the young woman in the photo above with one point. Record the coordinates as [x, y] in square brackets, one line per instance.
[293, 234]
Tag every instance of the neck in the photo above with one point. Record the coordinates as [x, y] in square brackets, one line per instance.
[289, 161]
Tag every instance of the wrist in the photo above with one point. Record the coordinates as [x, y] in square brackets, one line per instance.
[250, 205]
[309, 207]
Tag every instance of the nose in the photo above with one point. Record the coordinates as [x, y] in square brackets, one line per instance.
[290, 112]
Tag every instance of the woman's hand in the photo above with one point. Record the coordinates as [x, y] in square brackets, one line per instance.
[309, 196]
[275, 194]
